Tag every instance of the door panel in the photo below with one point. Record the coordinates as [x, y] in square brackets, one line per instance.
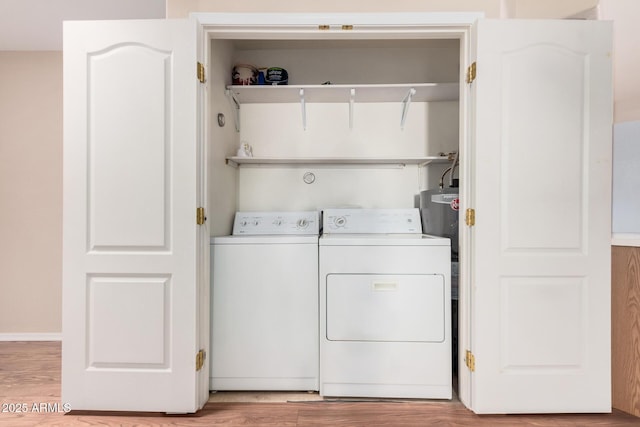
[541, 148]
[128, 148]
[130, 257]
[553, 137]
[115, 303]
[548, 336]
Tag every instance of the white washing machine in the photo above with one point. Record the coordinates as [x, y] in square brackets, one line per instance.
[385, 328]
[264, 303]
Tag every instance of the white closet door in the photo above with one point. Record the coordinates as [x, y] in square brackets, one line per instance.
[130, 235]
[541, 150]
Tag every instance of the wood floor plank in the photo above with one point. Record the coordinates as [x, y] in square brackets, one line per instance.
[452, 414]
[22, 383]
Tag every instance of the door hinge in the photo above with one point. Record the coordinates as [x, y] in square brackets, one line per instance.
[471, 73]
[200, 358]
[470, 217]
[200, 217]
[323, 27]
[347, 27]
[470, 360]
[200, 73]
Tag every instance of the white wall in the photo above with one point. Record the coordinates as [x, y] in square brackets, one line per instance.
[626, 61]
[30, 192]
[547, 9]
[491, 8]
[626, 142]
[222, 142]
[182, 8]
[626, 178]
[275, 130]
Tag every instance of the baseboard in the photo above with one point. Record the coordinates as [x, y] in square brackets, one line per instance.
[29, 336]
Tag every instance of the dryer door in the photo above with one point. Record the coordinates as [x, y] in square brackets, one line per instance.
[386, 308]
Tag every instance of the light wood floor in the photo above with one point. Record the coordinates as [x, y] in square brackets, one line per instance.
[30, 373]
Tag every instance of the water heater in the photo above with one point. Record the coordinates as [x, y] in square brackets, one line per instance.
[439, 213]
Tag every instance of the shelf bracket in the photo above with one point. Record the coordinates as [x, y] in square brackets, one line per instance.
[303, 107]
[235, 104]
[405, 106]
[231, 163]
[352, 101]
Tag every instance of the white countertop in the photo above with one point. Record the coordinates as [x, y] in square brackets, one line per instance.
[625, 239]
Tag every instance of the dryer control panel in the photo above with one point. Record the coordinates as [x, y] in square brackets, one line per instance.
[276, 223]
[372, 221]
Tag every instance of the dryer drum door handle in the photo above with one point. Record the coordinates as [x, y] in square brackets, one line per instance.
[385, 286]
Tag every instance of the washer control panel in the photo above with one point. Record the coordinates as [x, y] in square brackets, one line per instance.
[372, 221]
[276, 223]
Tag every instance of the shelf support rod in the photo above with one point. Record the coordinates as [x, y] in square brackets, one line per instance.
[352, 100]
[235, 104]
[304, 110]
[405, 106]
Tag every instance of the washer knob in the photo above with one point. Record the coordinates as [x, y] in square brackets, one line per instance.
[256, 222]
[340, 221]
[302, 223]
[244, 223]
[277, 222]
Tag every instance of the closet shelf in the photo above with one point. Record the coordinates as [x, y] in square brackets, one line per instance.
[424, 92]
[355, 161]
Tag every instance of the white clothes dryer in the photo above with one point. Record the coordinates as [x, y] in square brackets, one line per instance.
[385, 328]
[264, 303]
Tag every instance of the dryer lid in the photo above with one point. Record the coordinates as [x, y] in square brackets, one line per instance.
[372, 221]
[383, 240]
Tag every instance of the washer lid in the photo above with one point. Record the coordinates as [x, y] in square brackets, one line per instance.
[383, 240]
